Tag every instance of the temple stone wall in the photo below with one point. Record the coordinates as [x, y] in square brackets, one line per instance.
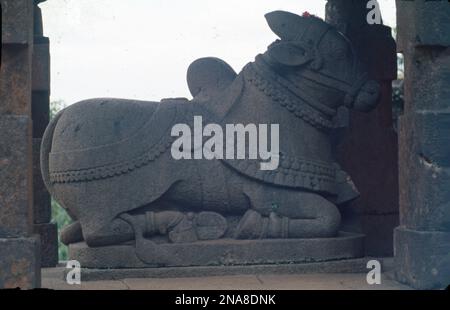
[422, 241]
[40, 103]
[366, 146]
[22, 78]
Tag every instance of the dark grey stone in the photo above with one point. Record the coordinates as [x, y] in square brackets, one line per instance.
[107, 161]
[40, 111]
[421, 23]
[424, 129]
[355, 265]
[17, 21]
[20, 263]
[41, 65]
[42, 200]
[426, 85]
[48, 233]
[227, 252]
[38, 30]
[15, 82]
[422, 258]
[422, 241]
[16, 197]
[425, 183]
[379, 232]
[372, 162]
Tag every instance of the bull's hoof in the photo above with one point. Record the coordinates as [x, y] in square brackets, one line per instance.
[72, 233]
[254, 226]
[251, 226]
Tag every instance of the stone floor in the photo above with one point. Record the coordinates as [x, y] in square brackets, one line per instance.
[52, 279]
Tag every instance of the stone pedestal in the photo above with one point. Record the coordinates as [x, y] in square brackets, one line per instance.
[422, 241]
[332, 267]
[225, 252]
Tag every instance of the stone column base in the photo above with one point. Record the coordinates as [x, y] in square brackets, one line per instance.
[20, 263]
[422, 258]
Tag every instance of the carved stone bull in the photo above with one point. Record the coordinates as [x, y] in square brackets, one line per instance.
[108, 161]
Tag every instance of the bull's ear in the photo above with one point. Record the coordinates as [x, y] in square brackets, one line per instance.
[284, 24]
[288, 54]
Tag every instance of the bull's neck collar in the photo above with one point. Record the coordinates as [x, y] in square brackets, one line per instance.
[296, 99]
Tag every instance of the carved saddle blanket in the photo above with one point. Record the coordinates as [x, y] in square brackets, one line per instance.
[152, 138]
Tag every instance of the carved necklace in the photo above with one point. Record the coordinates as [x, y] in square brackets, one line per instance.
[269, 84]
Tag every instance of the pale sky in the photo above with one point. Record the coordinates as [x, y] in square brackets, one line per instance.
[141, 49]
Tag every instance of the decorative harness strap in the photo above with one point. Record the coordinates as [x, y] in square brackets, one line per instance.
[272, 86]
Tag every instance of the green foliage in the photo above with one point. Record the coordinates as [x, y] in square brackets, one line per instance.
[56, 106]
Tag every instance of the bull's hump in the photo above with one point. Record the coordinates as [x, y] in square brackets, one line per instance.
[99, 122]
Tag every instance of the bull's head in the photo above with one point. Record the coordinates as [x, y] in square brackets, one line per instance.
[313, 53]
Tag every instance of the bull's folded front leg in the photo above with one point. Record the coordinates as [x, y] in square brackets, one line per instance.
[288, 214]
[177, 226]
[186, 227]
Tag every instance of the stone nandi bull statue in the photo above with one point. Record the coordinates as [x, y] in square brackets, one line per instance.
[108, 161]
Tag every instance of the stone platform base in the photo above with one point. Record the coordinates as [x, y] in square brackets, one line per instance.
[345, 266]
[226, 252]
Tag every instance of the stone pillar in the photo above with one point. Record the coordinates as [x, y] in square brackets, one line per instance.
[19, 247]
[40, 115]
[367, 148]
[422, 241]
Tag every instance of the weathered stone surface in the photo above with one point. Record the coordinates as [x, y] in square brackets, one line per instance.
[19, 263]
[422, 258]
[377, 48]
[38, 25]
[379, 232]
[48, 234]
[16, 176]
[40, 112]
[424, 148]
[422, 22]
[170, 207]
[426, 85]
[41, 64]
[377, 227]
[372, 162]
[422, 241]
[42, 200]
[225, 252]
[17, 21]
[427, 201]
[15, 81]
[345, 266]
